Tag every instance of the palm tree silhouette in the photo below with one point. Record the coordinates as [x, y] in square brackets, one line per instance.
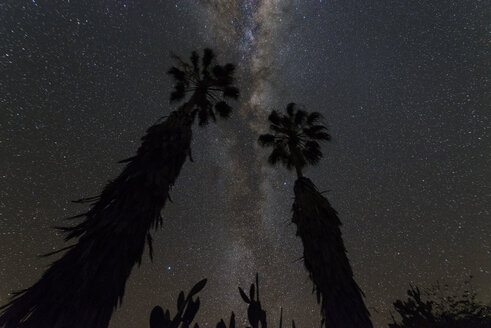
[295, 138]
[87, 283]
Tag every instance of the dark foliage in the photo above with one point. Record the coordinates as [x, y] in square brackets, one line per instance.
[325, 259]
[435, 308]
[294, 138]
[209, 83]
[87, 283]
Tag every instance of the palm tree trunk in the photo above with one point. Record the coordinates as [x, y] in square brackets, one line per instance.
[299, 171]
[296, 155]
[325, 258]
[84, 287]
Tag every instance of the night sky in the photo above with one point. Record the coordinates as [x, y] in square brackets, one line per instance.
[403, 87]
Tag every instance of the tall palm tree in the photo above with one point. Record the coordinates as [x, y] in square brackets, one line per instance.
[295, 138]
[87, 283]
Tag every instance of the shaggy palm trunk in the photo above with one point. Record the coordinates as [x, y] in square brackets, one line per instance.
[325, 258]
[83, 287]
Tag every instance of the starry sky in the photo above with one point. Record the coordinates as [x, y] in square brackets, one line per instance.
[403, 87]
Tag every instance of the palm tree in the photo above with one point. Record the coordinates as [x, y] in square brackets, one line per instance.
[295, 138]
[87, 283]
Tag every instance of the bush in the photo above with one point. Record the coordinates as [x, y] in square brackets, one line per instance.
[436, 307]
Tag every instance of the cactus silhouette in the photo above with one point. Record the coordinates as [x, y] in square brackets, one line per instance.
[255, 313]
[187, 308]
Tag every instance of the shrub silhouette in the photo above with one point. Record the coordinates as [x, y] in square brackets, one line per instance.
[434, 307]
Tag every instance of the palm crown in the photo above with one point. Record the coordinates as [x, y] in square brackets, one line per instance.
[209, 84]
[295, 137]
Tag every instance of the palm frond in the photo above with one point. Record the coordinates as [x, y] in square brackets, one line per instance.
[178, 93]
[181, 62]
[314, 117]
[194, 61]
[274, 117]
[208, 57]
[317, 132]
[178, 74]
[315, 128]
[223, 75]
[312, 152]
[231, 92]
[223, 109]
[229, 69]
[290, 109]
[322, 136]
[266, 140]
[287, 122]
[220, 74]
[278, 129]
[300, 117]
[279, 154]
